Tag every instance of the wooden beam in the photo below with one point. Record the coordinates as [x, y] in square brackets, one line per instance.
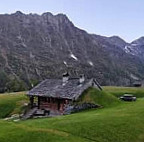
[39, 99]
[31, 101]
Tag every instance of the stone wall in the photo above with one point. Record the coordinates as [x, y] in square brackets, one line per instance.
[79, 107]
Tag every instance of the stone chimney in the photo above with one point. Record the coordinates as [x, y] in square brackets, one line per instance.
[82, 78]
[65, 78]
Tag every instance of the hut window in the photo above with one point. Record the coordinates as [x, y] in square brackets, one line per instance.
[44, 99]
[48, 99]
[53, 100]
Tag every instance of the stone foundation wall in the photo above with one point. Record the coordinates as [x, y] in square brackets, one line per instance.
[79, 107]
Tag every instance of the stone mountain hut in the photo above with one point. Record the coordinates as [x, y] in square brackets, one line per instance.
[56, 94]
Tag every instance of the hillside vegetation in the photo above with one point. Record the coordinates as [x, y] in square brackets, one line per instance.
[118, 91]
[96, 96]
[119, 123]
[11, 103]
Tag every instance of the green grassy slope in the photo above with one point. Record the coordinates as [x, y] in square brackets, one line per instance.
[102, 98]
[118, 91]
[11, 132]
[11, 103]
[123, 122]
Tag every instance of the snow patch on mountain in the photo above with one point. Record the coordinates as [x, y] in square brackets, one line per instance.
[134, 44]
[73, 56]
[127, 49]
[65, 63]
[91, 63]
[134, 77]
[131, 49]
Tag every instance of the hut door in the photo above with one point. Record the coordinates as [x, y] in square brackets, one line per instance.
[59, 104]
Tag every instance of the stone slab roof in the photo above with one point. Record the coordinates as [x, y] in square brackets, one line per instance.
[55, 88]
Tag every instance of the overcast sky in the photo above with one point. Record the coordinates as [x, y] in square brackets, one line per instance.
[124, 18]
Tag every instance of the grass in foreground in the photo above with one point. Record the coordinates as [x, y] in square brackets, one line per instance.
[122, 123]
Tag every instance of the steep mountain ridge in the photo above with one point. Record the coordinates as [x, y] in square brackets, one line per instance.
[117, 41]
[139, 41]
[34, 47]
[135, 48]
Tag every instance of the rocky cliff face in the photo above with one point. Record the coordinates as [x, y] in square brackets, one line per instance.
[34, 47]
[136, 48]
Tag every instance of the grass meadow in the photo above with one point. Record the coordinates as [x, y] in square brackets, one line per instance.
[118, 91]
[117, 121]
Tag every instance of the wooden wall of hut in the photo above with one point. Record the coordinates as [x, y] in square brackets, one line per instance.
[54, 104]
